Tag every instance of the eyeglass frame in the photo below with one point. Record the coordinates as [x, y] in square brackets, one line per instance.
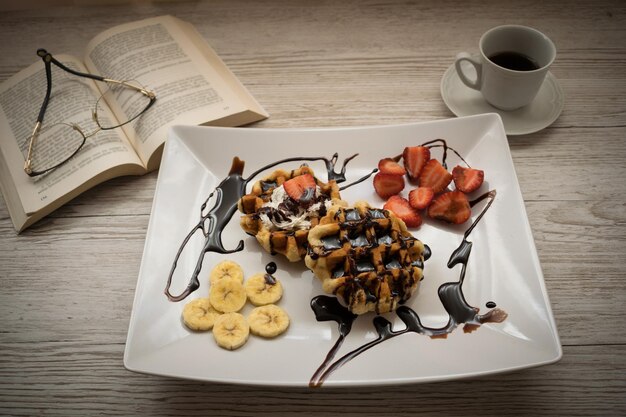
[48, 60]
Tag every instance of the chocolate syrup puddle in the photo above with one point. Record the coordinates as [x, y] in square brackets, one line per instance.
[227, 194]
[450, 294]
[327, 308]
[216, 219]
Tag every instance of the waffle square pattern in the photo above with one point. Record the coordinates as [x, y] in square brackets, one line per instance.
[366, 257]
[280, 223]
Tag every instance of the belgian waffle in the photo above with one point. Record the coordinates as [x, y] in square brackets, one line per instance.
[291, 242]
[366, 257]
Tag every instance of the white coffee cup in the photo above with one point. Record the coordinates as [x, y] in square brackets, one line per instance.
[523, 54]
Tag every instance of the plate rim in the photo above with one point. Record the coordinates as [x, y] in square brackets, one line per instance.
[131, 364]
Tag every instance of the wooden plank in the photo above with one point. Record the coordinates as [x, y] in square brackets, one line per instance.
[380, 74]
[68, 282]
[78, 378]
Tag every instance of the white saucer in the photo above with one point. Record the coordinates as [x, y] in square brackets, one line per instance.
[541, 113]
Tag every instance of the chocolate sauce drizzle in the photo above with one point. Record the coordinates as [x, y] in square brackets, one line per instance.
[360, 180]
[328, 308]
[227, 194]
[438, 143]
[215, 220]
[451, 295]
[361, 229]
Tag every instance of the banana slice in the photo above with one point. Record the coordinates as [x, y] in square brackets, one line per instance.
[231, 331]
[226, 269]
[227, 295]
[263, 289]
[198, 314]
[268, 321]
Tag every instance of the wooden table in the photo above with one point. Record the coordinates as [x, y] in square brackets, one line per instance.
[68, 282]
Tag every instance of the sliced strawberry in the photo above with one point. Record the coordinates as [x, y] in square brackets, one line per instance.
[467, 179]
[451, 207]
[389, 166]
[387, 185]
[421, 197]
[401, 208]
[414, 158]
[435, 176]
[300, 188]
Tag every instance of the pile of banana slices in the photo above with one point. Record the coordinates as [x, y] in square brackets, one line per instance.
[227, 296]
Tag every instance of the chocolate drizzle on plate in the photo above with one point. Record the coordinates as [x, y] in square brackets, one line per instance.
[224, 204]
[327, 308]
[211, 225]
[270, 270]
[360, 180]
[451, 296]
[227, 194]
[438, 143]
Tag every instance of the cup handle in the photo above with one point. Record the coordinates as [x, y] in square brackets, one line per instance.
[464, 56]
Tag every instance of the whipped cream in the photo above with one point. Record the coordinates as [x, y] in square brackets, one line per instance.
[283, 218]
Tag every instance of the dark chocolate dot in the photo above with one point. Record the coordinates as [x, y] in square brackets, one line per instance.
[271, 268]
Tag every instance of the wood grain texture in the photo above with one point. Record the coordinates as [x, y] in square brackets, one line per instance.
[68, 282]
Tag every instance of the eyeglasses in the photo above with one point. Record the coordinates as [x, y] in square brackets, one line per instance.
[52, 146]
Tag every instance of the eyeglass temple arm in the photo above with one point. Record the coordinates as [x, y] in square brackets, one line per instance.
[141, 90]
[46, 55]
[47, 58]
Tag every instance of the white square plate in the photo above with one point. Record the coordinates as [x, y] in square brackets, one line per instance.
[503, 266]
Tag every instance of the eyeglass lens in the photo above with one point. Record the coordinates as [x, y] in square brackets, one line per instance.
[59, 141]
[132, 102]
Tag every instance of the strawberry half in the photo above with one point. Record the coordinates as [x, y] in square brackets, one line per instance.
[414, 158]
[435, 176]
[451, 207]
[421, 197]
[300, 188]
[467, 179]
[387, 185]
[401, 208]
[389, 166]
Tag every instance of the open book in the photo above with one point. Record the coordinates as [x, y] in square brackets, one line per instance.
[164, 54]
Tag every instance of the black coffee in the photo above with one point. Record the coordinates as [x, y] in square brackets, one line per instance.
[514, 61]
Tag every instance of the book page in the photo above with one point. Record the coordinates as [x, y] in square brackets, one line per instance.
[227, 76]
[71, 101]
[158, 54]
